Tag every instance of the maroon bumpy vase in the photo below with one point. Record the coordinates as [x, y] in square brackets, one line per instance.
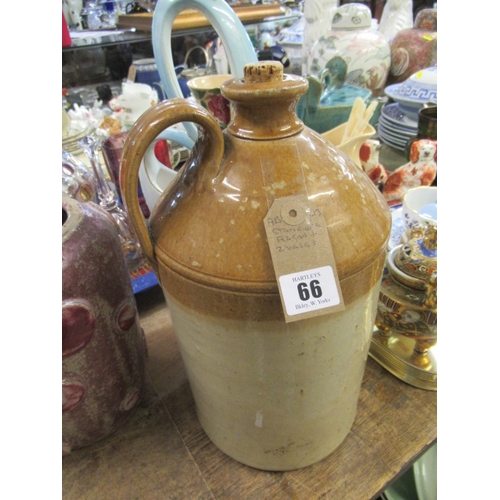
[103, 347]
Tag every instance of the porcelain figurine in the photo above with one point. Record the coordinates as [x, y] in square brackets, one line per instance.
[370, 163]
[317, 20]
[365, 52]
[134, 100]
[415, 48]
[421, 170]
[426, 127]
[397, 15]
[74, 10]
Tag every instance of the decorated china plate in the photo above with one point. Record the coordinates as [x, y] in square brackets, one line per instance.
[393, 113]
[402, 93]
[403, 134]
[391, 139]
[398, 227]
[391, 135]
[393, 145]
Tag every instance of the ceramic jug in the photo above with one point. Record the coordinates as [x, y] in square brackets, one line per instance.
[271, 393]
[103, 346]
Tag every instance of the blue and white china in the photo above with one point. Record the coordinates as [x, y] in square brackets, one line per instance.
[398, 227]
[415, 92]
[402, 133]
[392, 113]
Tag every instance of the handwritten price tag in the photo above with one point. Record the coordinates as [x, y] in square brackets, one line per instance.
[302, 258]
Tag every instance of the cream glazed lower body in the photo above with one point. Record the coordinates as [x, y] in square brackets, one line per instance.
[272, 395]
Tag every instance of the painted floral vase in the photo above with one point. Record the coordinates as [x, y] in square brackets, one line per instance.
[365, 54]
[415, 48]
[103, 346]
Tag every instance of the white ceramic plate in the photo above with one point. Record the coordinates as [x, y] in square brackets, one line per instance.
[391, 144]
[425, 472]
[405, 94]
[392, 136]
[393, 113]
[397, 141]
[387, 140]
[395, 126]
[403, 134]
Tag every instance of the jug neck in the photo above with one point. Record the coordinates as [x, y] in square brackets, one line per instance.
[264, 102]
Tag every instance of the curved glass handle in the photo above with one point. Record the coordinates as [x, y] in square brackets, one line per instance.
[221, 16]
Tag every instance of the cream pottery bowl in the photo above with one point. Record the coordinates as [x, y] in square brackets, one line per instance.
[352, 146]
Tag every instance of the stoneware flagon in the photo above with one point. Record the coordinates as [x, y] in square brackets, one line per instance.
[272, 394]
[103, 346]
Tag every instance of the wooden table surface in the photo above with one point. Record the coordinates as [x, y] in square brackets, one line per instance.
[162, 453]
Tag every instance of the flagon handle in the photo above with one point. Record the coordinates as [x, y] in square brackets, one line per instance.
[209, 150]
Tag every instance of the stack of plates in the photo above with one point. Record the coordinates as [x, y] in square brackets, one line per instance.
[78, 130]
[395, 128]
[399, 121]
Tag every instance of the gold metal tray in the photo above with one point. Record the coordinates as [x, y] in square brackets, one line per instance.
[396, 354]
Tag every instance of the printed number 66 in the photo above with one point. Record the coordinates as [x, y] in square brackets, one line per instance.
[314, 287]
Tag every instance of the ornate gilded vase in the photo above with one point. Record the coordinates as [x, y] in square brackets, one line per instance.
[408, 295]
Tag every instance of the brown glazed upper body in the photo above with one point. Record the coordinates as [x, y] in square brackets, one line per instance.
[207, 231]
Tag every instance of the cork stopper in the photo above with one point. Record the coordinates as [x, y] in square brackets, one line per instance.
[266, 71]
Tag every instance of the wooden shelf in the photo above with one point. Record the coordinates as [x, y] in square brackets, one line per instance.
[192, 19]
[162, 451]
